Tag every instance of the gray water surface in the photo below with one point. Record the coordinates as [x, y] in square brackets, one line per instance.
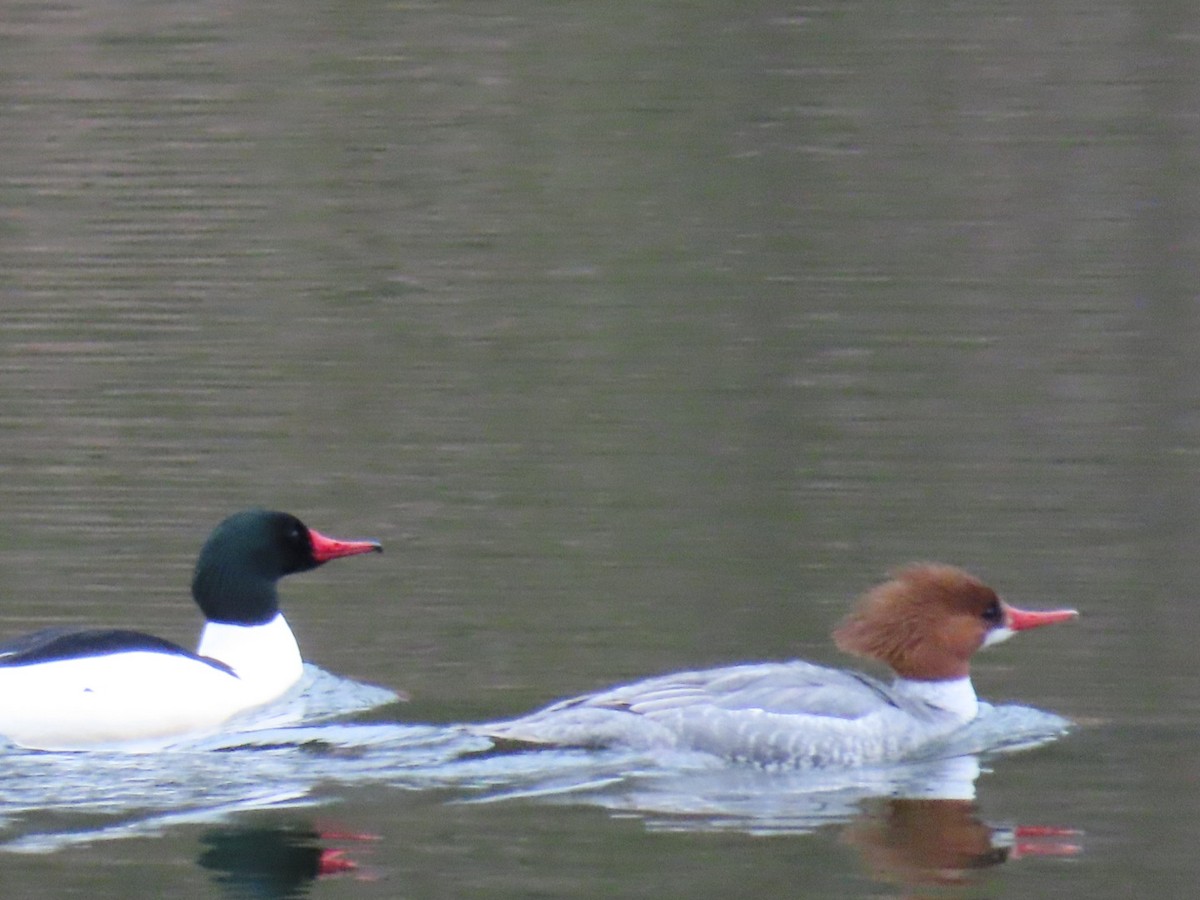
[644, 336]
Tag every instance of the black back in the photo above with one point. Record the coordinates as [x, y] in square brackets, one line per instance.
[55, 644]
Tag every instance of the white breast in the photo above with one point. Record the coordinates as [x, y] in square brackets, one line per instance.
[265, 657]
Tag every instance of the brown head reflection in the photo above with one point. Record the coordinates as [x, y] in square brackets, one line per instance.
[932, 842]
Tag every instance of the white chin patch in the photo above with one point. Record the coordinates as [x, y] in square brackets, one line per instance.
[996, 635]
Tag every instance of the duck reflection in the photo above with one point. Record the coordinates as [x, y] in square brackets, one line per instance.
[917, 825]
[926, 842]
[280, 862]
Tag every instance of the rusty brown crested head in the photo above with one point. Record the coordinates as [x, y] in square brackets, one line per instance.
[925, 622]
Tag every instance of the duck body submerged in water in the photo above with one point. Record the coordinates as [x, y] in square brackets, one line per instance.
[925, 623]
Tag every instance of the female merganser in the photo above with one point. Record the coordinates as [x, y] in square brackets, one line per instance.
[74, 689]
[925, 623]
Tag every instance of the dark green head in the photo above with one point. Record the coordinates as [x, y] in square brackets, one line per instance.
[248, 553]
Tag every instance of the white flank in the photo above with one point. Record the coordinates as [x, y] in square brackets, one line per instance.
[143, 699]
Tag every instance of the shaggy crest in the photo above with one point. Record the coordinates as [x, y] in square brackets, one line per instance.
[925, 622]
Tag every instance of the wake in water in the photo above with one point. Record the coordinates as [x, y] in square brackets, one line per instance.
[296, 752]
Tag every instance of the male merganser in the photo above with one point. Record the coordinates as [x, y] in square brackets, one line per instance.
[74, 689]
[925, 623]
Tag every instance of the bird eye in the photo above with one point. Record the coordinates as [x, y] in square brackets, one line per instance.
[993, 614]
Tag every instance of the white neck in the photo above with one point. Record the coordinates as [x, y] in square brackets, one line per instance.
[954, 695]
[265, 658]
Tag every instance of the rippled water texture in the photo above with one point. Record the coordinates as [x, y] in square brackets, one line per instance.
[644, 337]
[50, 801]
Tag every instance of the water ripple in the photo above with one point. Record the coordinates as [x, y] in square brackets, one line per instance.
[292, 754]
